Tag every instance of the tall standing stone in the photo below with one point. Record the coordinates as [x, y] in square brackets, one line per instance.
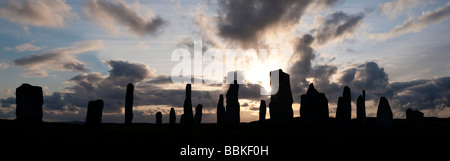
[129, 105]
[220, 111]
[198, 114]
[94, 113]
[172, 116]
[361, 110]
[187, 107]
[182, 120]
[344, 109]
[158, 118]
[232, 113]
[384, 114]
[314, 107]
[280, 105]
[29, 101]
[262, 111]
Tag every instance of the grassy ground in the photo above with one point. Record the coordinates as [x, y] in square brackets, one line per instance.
[293, 141]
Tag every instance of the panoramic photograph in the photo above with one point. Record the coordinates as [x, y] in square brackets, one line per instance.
[225, 79]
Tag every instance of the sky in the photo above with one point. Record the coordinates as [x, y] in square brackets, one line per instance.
[82, 50]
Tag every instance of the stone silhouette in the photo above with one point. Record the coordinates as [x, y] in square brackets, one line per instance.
[280, 105]
[129, 105]
[361, 110]
[262, 111]
[182, 120]
[187, 107]
[220, 111]
[172, 116]
[314, 107]
[94, 113]
[384, 114]
[344, 109]
[29, 101]
[198, 114]
[232, 113]
[158, 118]
[415, 118]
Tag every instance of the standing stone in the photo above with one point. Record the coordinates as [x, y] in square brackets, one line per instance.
[232, 113]
[158, 118]
[94, 113]
[280, 105]
[182, 120]
[198, 115]
[29, 101]
[344, 109]
[187, 107]
[172, 116]
[314, 107]
[415, 118]
[262, 111]
[361, 110]
[220, 111]
[384, 114]
[129, 105]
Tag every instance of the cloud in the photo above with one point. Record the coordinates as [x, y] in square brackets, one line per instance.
[59, 59]
[8, 102]
[337, 25]
[135, 18]
[43, 13]
[416, 24]
[424, 94]
[302, 65]
[111, 88]
[4, 65]
[368, 76]
[245, 21]
[23, 48]
[396, 7]
[124, 72]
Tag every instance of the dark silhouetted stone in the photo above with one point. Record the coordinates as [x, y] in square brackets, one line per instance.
[129, 105]
[198, 114]
[314, 107]
[187, 107]
[384, 114]
[280, 105]
[232, 113]
[361, 110]
[182, 120]
[262, 111]
[29, 101]
[344, 109]
[94, 113]
[415, 118]
[158, 118]
[220, 111]
[172, 116]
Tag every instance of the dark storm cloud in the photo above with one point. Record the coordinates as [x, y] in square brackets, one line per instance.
[112, 14]
[111, 88]
[337, 25]
[244, 21]
[124, 72]
[368, 76]
[301, 68]
[422, 94]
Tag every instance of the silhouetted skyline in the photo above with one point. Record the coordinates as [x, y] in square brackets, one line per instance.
[78, 51]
